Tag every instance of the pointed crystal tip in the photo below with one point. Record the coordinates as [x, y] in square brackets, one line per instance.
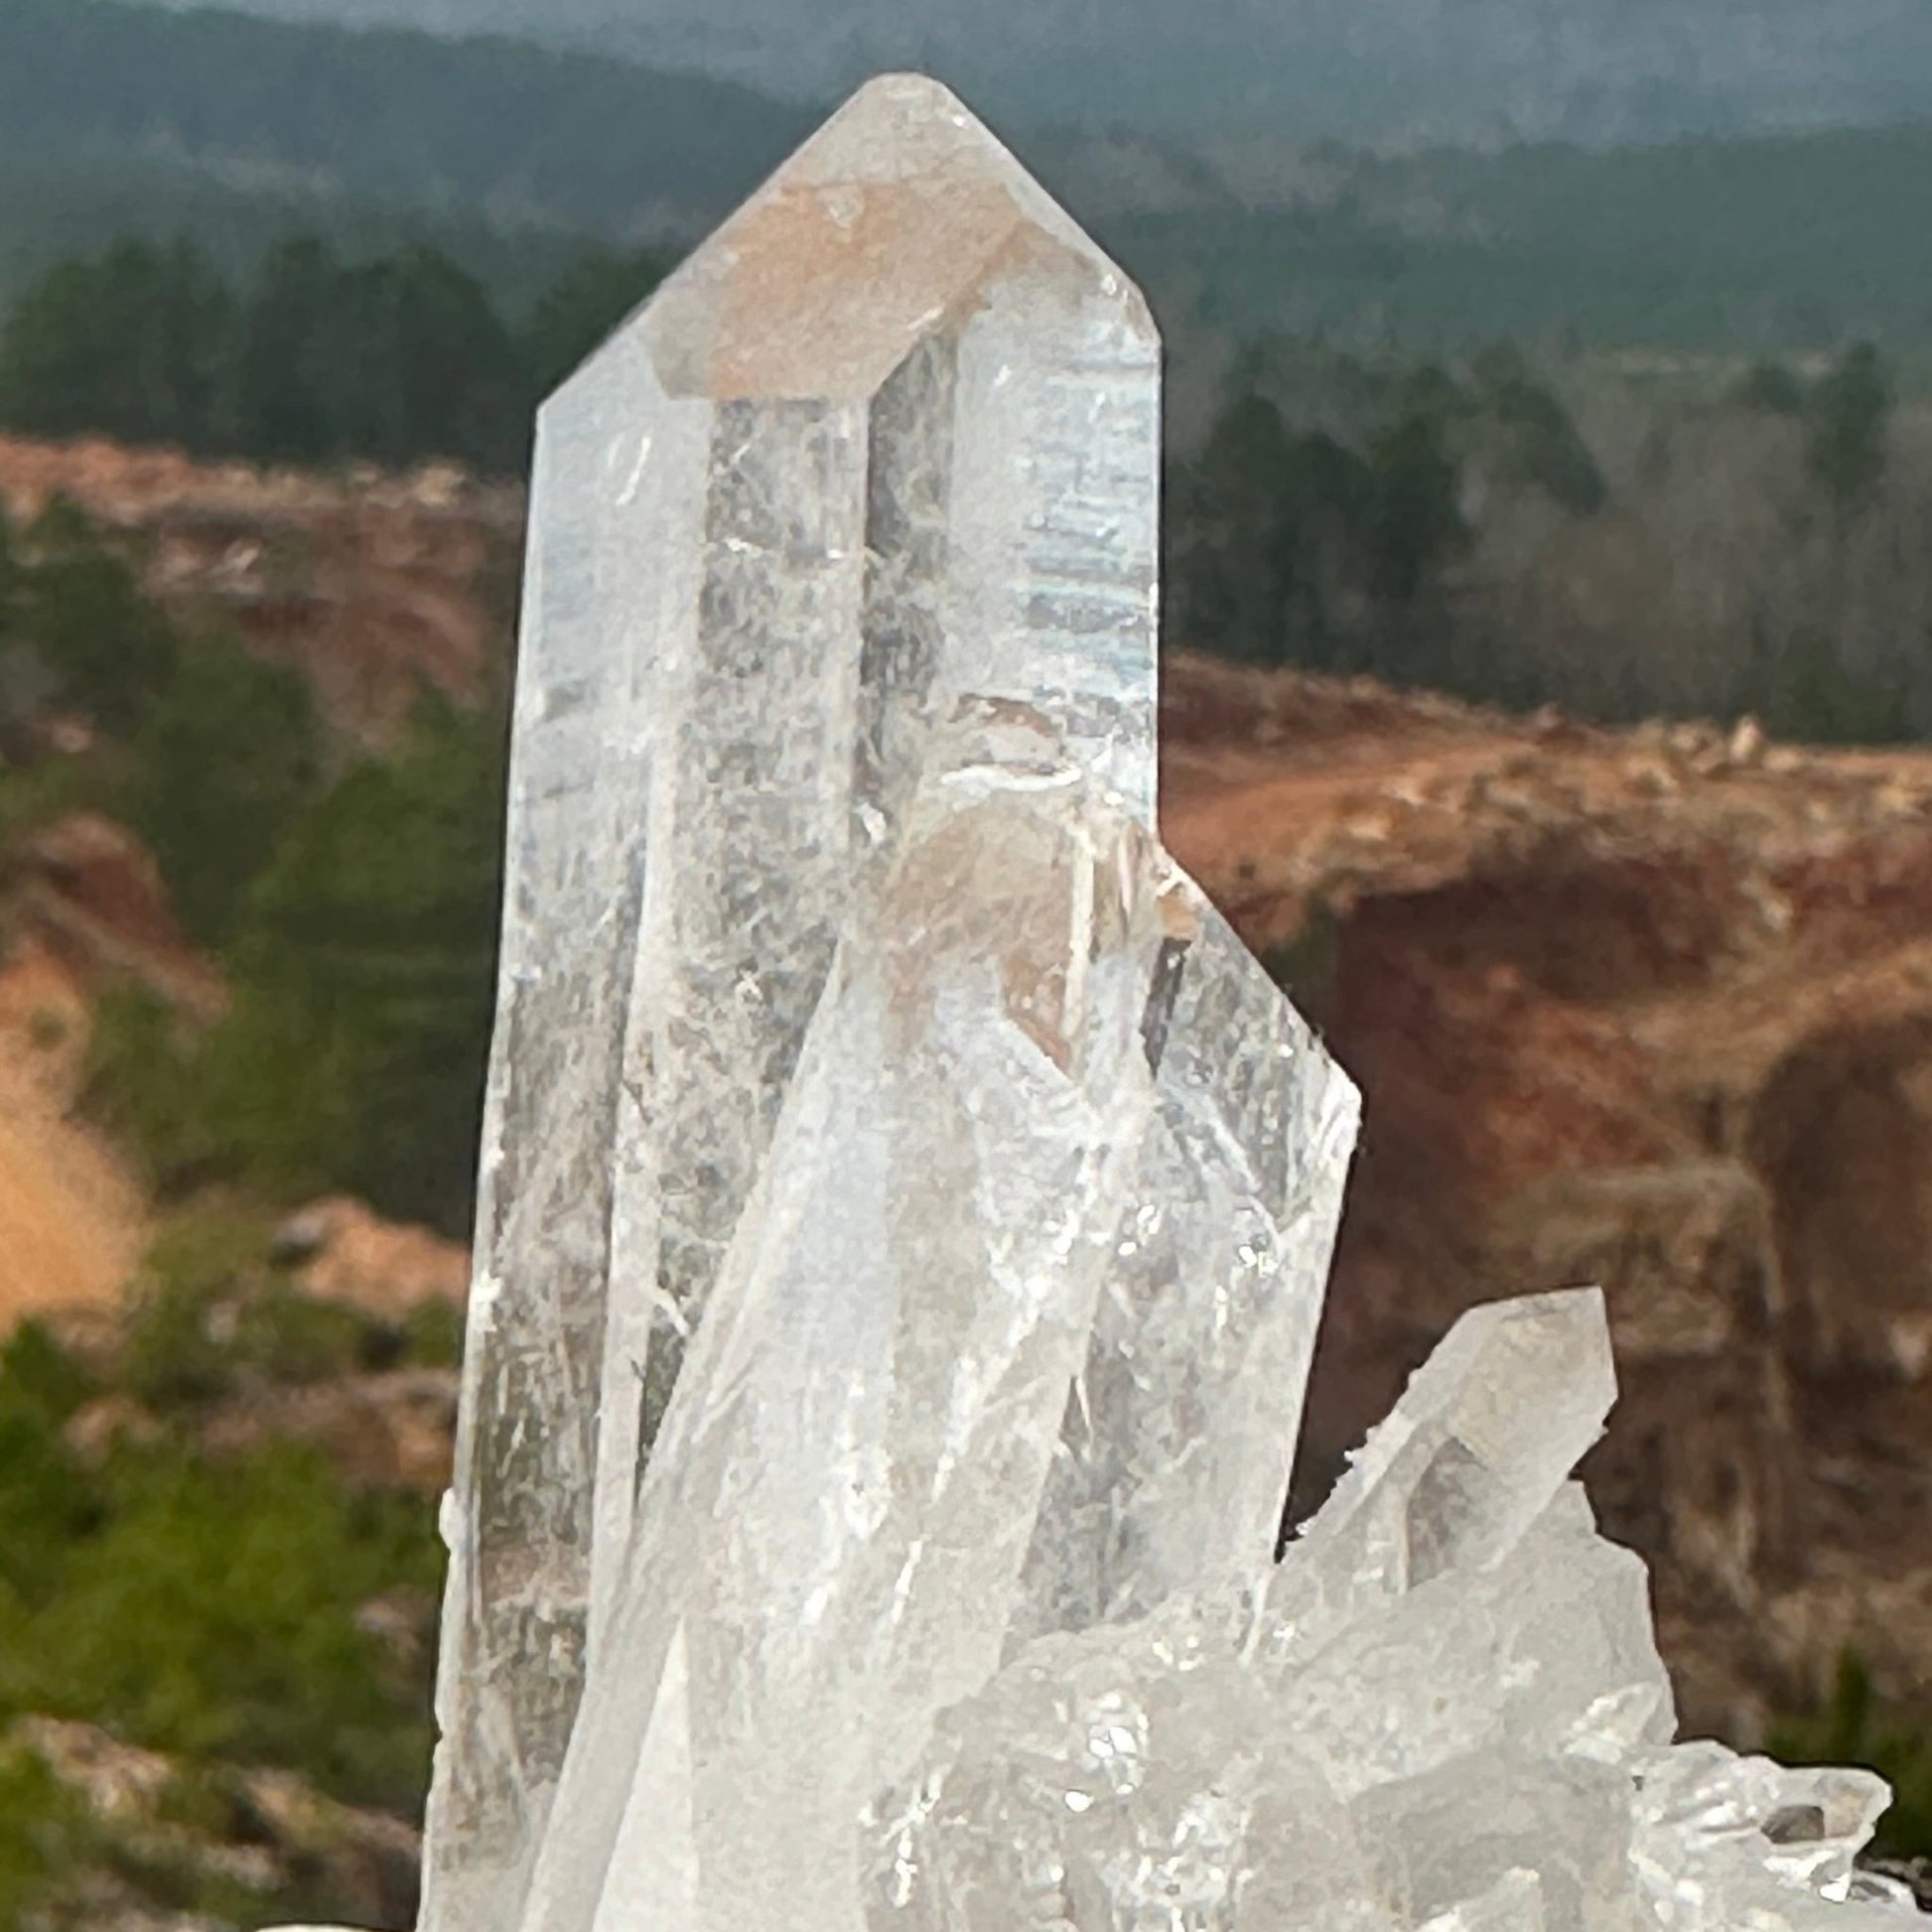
[887, 224]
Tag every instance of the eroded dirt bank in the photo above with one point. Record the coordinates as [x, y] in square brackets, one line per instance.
[1651, 1009]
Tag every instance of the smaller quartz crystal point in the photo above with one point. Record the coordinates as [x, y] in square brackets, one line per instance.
[1175, 1456]
[1444, 1711]
[1473, 1453]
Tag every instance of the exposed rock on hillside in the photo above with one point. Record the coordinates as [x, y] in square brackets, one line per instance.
[89, 894]
[72, 1219]
[395, 1431]
[1652, 1009]
[346, 1253]
[237, 1834]
[82, 906]
[372, 585]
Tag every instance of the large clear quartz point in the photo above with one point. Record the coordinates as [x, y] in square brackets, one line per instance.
[906, 1207]
[887, 442]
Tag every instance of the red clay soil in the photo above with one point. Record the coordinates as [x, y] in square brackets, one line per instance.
[81, 909]
[73, 1221]
[1651, 1009]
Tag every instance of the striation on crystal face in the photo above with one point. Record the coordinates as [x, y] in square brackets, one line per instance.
[906, 1207]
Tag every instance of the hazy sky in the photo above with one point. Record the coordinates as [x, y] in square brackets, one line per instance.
[1591, 68]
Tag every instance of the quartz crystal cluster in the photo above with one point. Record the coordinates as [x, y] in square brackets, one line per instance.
[906, 1211]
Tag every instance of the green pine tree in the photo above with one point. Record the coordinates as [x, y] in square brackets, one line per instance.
[1851, 421]
[221, 765]
[365, 954]
[581, 309]
[136, 345]
[80, 608]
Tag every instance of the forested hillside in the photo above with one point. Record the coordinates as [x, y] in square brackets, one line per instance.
[1718, 537]
[213, 122]
[1570, 532]
[121, 119]
[312, 357]
[54, 212]
[1772, 241]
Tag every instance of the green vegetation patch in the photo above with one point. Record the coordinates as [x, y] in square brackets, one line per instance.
[201, 1606]
[316, 358]
[362, 960]
[1853, 1726]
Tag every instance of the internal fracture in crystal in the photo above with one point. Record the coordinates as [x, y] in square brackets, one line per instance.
[907, 1208]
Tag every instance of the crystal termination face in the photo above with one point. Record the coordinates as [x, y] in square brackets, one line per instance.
[906, 1211]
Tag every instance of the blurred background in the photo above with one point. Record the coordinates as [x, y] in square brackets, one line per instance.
[1549, 676]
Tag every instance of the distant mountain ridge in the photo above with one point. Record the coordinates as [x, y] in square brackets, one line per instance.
[521, 134]
[1766, 244]
[1381, 71]
[232, 129]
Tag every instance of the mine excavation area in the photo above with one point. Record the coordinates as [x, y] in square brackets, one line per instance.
[1650, 1009]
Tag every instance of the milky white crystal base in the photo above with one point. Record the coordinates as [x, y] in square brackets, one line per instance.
[1442, 1709]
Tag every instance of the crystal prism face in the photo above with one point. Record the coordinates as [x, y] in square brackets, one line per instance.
[906, 1207]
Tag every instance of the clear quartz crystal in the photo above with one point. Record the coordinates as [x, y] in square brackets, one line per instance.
[887, 442]
[907, 1206]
